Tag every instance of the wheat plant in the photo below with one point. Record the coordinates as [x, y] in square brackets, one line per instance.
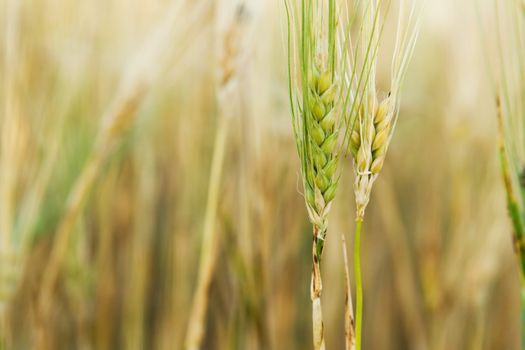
[510, 104]
[233, 25]
[374, 121]
[326, 83]
[316, 124]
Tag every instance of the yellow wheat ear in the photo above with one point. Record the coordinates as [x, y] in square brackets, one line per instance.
[373, 119]
[376, 119]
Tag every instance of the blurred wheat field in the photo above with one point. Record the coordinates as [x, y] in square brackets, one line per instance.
[114, 114]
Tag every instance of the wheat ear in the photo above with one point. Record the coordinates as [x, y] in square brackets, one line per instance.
[375, 123]
[320, 181]
[313, 71]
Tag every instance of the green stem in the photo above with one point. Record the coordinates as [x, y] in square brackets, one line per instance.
[358, 284]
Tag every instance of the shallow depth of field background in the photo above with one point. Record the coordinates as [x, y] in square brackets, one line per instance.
[439, 270]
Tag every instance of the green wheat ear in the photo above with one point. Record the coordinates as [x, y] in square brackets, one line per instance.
[321, 183]
[315, 98]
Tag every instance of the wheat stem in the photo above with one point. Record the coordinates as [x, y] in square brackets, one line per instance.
[315, 293]
[512, 197]
[358, 283]
[230, 54]
[210, 242]
[349, 312]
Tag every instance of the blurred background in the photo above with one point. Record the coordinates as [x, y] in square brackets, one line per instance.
[146, 143]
